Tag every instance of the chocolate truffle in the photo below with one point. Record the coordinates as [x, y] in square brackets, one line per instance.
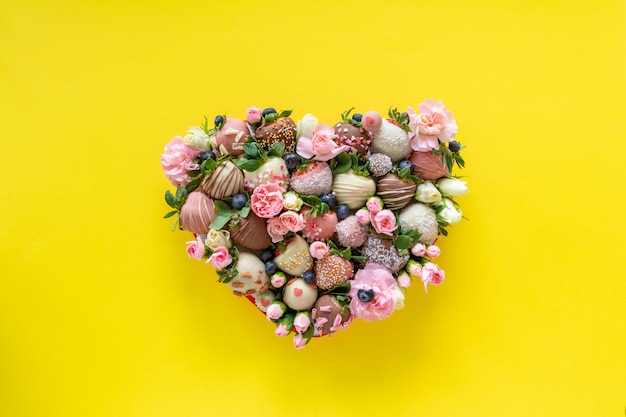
[299, 295]
[327, 309]
[332, 271]
[280, 130]
[251, 233]
[357, 138]
[395, 192]
[383, 252]
[391, 140]
[224, 181]
[197, 213]
[315, 179]
[251, 278]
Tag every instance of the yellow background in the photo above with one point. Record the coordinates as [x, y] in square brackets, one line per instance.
[103, 314]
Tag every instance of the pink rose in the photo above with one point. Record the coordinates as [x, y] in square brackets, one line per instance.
[363, 216]
[415, 268]
[384, 222]
[302, 322]
[276, 229]
[294, 222]
[321, 147]
[378, 279]
[374, 205]
[253, 115]
[433, 124]
[275, 311]
[195, 248]
[433, 251]
[177, 159]
[299, 341]
[220, 258]
[281, 330]
[432, 274]
[267, 200]
[318, 249]
[419, 249]
[404, 280]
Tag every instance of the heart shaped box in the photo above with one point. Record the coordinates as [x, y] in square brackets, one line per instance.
[318, 225]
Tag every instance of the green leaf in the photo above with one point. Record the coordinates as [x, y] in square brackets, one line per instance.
[277, 150]
[249, 164]
[221, 208]
[309, 333]
[208, 165]
[251, 150]
[284, 113]
[181, 192]
[244, 212]
[170, 199]
[404, 242]
[170, 214]
[193, 184]
[220, 221]
[323, 208]
[343, 163]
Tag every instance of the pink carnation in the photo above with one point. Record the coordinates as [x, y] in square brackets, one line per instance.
[195, 248]
[177, 159]
[276, 229]
[220, 258]
[433, 124]
[267, 200]
[321, 147]
[302, 322]
[432, 274]
[384, 222]
[281, 330]
[294, 222]
[379, 279]
[299, 341]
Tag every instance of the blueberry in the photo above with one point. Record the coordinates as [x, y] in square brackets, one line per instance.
[291, 161]
[454, 146]
[342, 211]
[267, 255]
[329, 199]
[270, 267]
[204, 156]
[366, 295]
[268, 110]
[275, 321]
[219, 120]
[405, 164]
[239, 201]
[357, 117]
[309, 277]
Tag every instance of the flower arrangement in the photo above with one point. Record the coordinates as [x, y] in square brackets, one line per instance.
[318, 225]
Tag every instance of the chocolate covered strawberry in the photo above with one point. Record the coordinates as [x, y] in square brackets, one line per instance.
[276, 127]
[332, 271]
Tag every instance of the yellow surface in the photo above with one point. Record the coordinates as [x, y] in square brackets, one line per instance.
[103, 314]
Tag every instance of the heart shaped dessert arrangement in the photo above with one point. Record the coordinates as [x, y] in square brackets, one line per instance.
[318, 224]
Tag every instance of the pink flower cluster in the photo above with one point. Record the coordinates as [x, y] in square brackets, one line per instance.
[383, 221]
[177, 159]
[433, 124]
[321, 147]
[267, 200]
[379, 279]
[289, 221]
[220, 258]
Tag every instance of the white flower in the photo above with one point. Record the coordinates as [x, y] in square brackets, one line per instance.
[427, 193]
[452, 187]
[450, 213]
[399, 295]
[292, 201]
[197, 138]
[217, 238]
[306, 126]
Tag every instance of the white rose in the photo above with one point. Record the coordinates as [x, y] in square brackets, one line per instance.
[427, 193]
[452, 187]
[399, 294]
[450, 213]
[291, 201]
[306, 126]
[217, 238]
[197, 138]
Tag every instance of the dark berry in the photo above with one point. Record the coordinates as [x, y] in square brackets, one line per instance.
[342, 211]
[219, 120]
[404, 115]
[275, 321]
[204, 156]
[405, 164]
[270, 267]
[329, 199]
[291, 161]
[454, 146]
[268, 110]
[366, 295]
[309, 277]
[239, 201]
[267, 255]
[357, 117]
